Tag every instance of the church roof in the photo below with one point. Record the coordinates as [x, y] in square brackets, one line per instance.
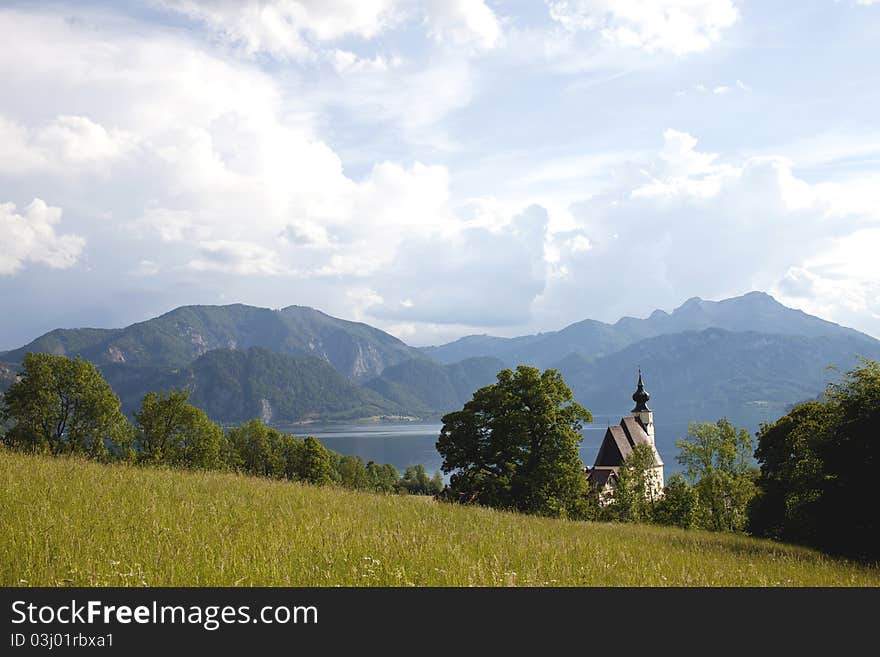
[619, 442]
[614, 449]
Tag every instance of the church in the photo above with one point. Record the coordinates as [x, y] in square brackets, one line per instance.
[618, 443]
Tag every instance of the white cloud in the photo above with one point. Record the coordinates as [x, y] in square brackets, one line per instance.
[409, 97]
[235, 258]
[473, 276]
[843, 281]
[31, 237]
[220, 161]
[345, 61]
[66, 145]
[719, 89]
[300, 29]
[679, 27]
[463, 23]
[287, 28]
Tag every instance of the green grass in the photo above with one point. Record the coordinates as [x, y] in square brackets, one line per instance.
[71, 522]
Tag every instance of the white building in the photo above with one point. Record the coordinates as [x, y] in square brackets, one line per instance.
[618, 443]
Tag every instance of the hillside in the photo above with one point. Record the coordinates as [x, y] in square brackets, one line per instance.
[234, 386]
[425, 387]
[176, 338]
[72, 522]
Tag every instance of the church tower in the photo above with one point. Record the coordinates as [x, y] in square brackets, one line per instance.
[641, 412]
[645, 417]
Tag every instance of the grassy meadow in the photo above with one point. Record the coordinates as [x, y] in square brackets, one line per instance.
[72, 522]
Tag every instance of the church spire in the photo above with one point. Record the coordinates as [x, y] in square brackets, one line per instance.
[641, 396]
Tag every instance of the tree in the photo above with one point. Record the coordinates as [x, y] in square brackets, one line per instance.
[717, 462]
[257, 449]
[171, 431]
[314, 463]
[851, 456]
[678, 504]
[515, 445]
[383, 478]
[63, 405]
[632, 500]
[352, 472]
[415, 481]
[437, 484]
[818, 466]
[791, 480]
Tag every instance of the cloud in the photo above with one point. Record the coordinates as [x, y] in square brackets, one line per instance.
[345, 61]
[463, 23]
[220, 161]
[31, 237]
[300, 30]
[287, 28]
[235, 258]
[679, 27]
[720, 89]
[474, 276]
[410, 98]
[66, 145]
[843, 281]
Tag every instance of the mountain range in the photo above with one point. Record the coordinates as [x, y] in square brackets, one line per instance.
[748, 358]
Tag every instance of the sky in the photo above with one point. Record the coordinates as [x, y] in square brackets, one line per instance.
[437, 168]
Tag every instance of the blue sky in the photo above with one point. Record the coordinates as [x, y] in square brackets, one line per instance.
[437, 168]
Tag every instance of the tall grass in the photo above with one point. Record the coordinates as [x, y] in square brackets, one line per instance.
[66, 521]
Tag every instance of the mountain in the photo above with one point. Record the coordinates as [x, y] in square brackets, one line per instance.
[428, 388]
[176, 338]
[233, 386]
[755, 311]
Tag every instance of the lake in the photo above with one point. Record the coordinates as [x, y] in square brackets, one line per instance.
[409, 443]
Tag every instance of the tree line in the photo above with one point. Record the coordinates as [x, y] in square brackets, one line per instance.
[61, 405]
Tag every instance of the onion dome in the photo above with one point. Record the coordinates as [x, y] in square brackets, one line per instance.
[641, 396]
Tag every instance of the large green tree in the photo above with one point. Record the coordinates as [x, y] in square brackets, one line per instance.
[63, 405]
[515, 444]
[717, 460]
[171, 431]
[791, 481]
[818, 469]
